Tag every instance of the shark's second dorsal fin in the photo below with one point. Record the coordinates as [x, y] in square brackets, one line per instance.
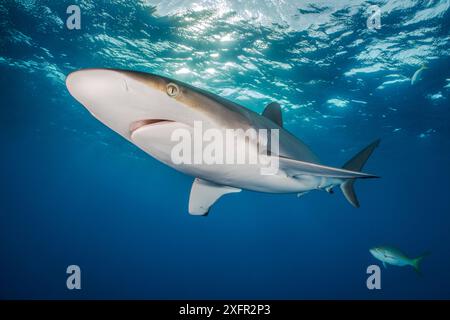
[204, 194]
[273, 112]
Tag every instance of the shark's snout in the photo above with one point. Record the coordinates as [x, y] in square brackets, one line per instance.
[125, 100]
[106, 93]
[90, 84]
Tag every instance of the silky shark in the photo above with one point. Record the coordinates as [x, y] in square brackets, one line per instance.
[146, 108]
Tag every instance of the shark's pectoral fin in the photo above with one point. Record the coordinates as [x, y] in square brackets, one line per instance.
[204, 194]
[273, 112]
[384, 265]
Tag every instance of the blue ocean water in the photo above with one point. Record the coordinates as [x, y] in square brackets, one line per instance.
[74, 192]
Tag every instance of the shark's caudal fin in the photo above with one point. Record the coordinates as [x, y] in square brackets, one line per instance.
[416, 262]
[356, 164]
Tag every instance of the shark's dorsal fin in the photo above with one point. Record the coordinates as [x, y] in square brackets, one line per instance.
[204, 194]
[273, 112]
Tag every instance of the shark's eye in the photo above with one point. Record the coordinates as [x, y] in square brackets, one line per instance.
[172, 90]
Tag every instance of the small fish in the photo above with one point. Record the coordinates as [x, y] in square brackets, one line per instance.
[417, 75]
[395, 257]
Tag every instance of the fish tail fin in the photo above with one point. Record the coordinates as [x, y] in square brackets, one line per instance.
[416, 262]
[356, 164]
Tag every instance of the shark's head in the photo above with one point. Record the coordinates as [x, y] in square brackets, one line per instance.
[147, 109]
[122, 99]
[125, 100]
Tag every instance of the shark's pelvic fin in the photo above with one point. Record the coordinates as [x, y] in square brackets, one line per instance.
[356, 164]
[204, 194]
[273, 112]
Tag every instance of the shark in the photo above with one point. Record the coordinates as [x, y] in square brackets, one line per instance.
[147, 108]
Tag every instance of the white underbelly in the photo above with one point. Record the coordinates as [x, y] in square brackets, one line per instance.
[249, 177]
[156, 140]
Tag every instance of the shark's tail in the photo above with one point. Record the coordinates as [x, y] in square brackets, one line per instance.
[356, 164]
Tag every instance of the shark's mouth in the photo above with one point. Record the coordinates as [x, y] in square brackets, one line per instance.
[155, 136]
[147, 122]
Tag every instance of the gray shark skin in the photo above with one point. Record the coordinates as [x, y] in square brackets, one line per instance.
[146, 108]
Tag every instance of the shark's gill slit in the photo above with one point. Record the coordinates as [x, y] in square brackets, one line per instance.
[141, 123]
